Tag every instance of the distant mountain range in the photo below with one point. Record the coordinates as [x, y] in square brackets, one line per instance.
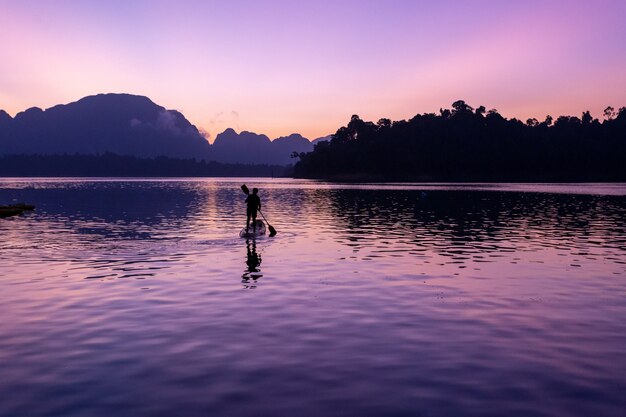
[126, 124]
[250, 148]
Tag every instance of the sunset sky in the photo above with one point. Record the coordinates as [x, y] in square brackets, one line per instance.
[278, 67]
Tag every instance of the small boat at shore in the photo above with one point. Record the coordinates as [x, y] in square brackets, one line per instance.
[15, 209]
[256, 229]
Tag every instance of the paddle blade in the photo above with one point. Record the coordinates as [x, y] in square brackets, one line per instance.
[245, 189]
[272, 230]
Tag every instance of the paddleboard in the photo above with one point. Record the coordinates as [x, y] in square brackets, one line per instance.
[259, 230]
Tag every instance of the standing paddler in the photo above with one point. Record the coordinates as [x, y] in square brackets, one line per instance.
[254, 204]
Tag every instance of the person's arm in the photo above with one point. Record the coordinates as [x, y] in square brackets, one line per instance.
[259, 203]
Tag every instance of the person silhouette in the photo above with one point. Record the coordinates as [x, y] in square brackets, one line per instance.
[254, 204]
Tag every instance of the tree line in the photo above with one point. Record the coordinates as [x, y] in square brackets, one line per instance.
[472, 144]
[112, 165]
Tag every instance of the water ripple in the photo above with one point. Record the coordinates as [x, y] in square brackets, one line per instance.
[136, 297]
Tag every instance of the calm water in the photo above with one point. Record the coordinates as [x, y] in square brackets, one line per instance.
[129, 298]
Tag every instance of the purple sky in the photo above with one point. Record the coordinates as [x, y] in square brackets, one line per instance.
[278, 67]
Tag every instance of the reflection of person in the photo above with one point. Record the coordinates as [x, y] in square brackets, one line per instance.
[253, 262]
[253, 259]
[254, 204]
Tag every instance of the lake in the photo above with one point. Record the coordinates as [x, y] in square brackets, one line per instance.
[128, 297]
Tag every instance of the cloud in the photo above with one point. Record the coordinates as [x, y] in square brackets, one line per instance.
[167, 121]
[234, 115]
[205, 134]
[227, 119]
[217, 118]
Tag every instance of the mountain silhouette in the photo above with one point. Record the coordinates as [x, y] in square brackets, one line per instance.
[251, 148]
[322, 139]
[5, 118]
[123, 124]
[245, 147]
[284, 146]
[131, 125]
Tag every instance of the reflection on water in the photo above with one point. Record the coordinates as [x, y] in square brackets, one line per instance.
[253, 262]
[469, 228]
[125, 298]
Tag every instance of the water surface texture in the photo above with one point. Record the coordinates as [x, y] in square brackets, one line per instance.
[137, 297]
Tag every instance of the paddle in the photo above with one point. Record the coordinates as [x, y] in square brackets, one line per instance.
[269, 226]
[273, 231]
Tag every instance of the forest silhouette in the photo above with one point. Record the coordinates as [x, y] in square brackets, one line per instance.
[467, 144]
[111, 165]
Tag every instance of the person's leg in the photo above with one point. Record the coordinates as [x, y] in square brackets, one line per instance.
[247, 220]
[254, 221]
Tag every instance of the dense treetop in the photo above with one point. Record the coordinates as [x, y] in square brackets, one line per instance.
[466, 143]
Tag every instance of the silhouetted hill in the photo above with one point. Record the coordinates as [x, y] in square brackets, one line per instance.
[322, 139]
[245, 147]
[285, 146]
[119, 123]
[126, 124]
[251, 148]
[5, 118]
[467, 144]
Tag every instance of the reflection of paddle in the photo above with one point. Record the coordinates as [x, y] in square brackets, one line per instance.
[269, 226]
